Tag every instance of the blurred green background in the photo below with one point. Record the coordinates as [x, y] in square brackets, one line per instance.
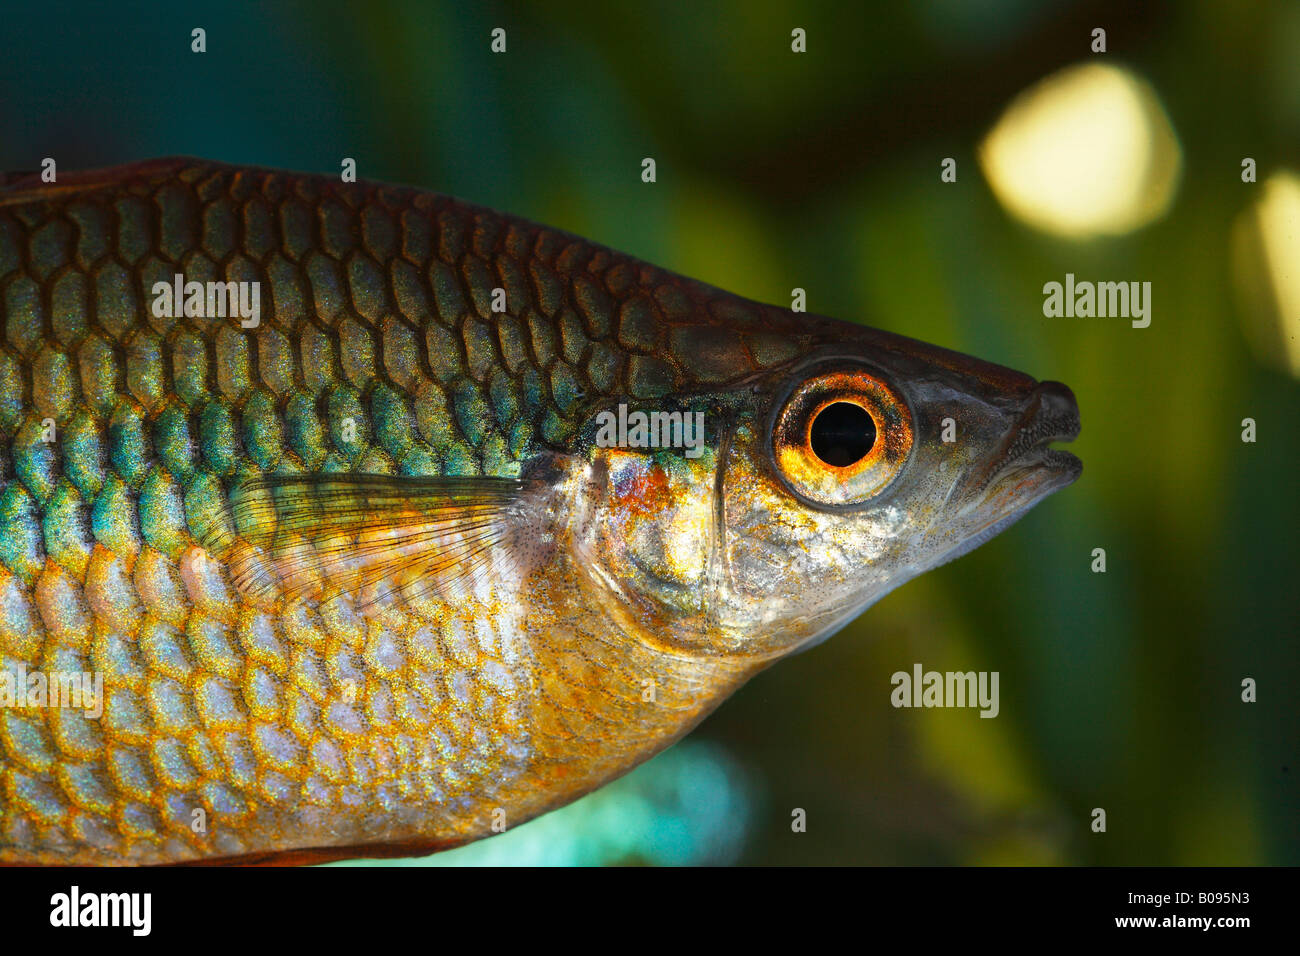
[821, 170]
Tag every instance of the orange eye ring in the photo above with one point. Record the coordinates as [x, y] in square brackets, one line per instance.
[854, 463]
[885, 440]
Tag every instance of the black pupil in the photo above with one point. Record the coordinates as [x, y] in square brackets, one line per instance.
[842, 433]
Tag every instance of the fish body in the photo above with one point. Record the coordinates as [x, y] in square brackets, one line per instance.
[466, 517]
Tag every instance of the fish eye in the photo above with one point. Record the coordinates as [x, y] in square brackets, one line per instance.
[841, 437]
[841, 434]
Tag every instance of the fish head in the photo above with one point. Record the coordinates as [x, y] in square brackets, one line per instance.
[820, 487]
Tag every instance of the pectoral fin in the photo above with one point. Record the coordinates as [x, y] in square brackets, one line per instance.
[368, 536]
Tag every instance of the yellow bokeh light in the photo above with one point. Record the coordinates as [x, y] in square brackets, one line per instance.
[1266, 265]
[1086, 152]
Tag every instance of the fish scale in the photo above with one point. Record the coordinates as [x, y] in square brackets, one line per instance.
[288, 727]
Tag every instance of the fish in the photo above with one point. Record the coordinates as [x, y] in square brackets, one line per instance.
[346, 519]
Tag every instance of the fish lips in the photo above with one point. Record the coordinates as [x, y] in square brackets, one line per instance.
[1022, 468]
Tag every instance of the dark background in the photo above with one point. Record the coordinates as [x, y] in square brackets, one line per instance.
[821, 170]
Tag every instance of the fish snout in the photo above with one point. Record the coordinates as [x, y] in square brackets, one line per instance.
[1050, 414]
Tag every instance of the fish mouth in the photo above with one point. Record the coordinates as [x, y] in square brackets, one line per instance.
[1020, 471]
[1023, 463]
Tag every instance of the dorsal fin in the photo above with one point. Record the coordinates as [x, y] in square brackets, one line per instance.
[368, 536]
[26, 186]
